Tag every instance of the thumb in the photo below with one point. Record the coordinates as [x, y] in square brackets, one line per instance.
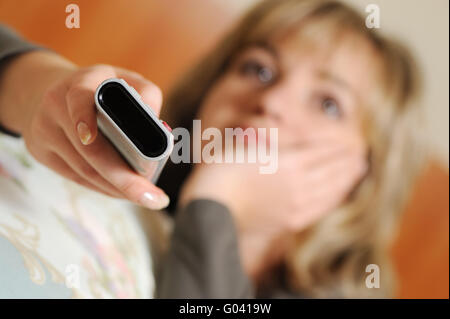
[80, 102]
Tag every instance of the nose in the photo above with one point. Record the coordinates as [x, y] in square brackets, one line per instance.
[275, 102]
[284, 106]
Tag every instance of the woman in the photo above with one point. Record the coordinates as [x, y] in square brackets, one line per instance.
[342, 99]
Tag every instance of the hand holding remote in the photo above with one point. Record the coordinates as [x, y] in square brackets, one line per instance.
[51, 103]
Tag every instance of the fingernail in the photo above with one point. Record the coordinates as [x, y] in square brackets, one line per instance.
[155, 201]
[84, 133]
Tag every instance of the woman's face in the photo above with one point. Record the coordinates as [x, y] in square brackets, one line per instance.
[303, 91]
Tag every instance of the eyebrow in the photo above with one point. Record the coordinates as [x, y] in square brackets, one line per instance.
[325, 75]
[334, 79]
[265, 46]
[270, 48]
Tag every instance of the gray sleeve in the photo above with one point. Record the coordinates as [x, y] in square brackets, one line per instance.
[203, 258]
[11, 44]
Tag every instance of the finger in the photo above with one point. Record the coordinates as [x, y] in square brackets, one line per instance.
[61, 145]
[80, 102]
[58, 165]
[350, 165]
[105, 159]
[311, 156]
[320, 204]
[326, 192]
[150, 93]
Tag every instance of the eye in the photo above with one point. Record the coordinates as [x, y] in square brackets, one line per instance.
[331, 108]
[254, 68]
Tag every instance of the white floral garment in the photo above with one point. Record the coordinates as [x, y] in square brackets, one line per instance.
[60, 240]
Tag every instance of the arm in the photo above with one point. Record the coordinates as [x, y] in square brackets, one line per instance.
[11, 44]
[26, 73]
[203, 259]
[49, 101]
[11, 47]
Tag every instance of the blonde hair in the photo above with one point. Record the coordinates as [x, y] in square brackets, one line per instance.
[330, 257]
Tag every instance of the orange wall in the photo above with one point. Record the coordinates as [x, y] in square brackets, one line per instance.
[160, 39]
[421, 252]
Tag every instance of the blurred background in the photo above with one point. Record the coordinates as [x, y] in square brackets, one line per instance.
[161, 39]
